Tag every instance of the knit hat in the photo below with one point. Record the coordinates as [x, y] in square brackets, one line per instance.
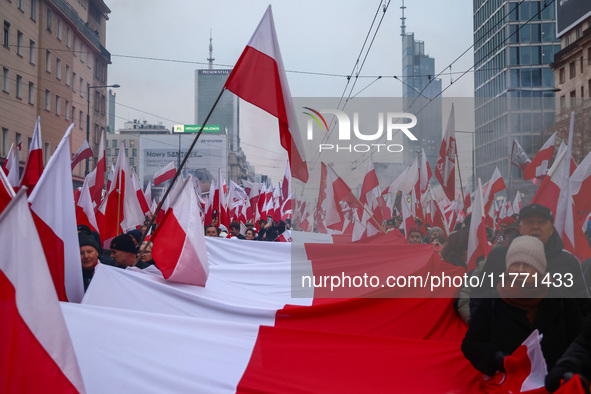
[137, 234]
[124, 243]
[528, 250]
[88, 240]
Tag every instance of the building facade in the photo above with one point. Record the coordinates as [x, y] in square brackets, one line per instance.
[53, 53]
[514, 44]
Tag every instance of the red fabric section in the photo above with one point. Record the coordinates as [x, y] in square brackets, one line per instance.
[53, 247]
[164, 177]
[82, 218]
[86, 153]
[5, 197]
[547, 194]
[25, 366]
[168, 240]
[530, 171]
[33, 170]
[97, 189]
[114, 211]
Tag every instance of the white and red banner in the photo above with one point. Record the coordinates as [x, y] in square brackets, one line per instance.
[34, 164]
[83, 153]
[165, 173]
[445, 169]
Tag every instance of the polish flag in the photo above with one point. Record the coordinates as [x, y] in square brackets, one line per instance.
[477, 242]
[6, 191]
[519, 158]
[517, 204]
[34, 164]
[539, 164]
[336, 191]
[11, 168]
[284, 236]
[110, 178]
[408, 220]
[140, 193]
[148, 192]
[83, 153]
[406, 180]
[259, 78]
[549, 191]
[494, 185]
[179, 242]
[426, 173]
[85, 208]
[370, 181]
[219, 200]
[7, 160]
[53, 207]
[96, 188]
[580, 184]
[286, 184]
[445, 169]
[165, 174]
[38, 355]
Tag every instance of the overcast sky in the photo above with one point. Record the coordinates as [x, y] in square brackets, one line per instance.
[315, 37]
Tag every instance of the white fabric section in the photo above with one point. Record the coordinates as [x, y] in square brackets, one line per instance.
[163, 353]
[36, 144]
[406, 180]
[13, 166]
[53, 201]
[477, 218]
[85, 202]
[539, 369]
[309, 237]
[449, 161]
[332, 206]
[565, 197]
[23, 262]
[4, 182]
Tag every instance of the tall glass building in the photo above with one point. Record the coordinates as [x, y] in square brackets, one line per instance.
[418, 88]
[514, 45]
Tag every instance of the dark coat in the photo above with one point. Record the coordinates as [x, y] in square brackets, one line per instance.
[497, 326]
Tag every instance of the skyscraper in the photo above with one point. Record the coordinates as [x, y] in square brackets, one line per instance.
[514, 43]
[419, 87]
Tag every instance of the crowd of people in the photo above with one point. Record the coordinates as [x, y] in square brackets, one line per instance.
[537, 285]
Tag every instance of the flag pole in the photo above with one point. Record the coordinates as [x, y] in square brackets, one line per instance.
[370, 215]
[460, 175]
[119, 201]
[176, 175]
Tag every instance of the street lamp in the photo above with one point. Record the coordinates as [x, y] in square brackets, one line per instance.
[88, 113]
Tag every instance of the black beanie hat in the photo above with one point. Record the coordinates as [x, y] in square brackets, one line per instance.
[88, 240]
[124, 243]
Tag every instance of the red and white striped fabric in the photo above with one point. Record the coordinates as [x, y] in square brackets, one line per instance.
[494, 185]
[548, 192]
[370, 181]
[477, 241]
[83, 153]
[34, 164]
[96, 188]
[6, 191]
[426, 173]
[11, 166]
[165, 173]
[179, 242]
[445, 169]
[517, 204]
[141, 197]
[53, 207]
[85, 208]
[38, 355]
[259, 78]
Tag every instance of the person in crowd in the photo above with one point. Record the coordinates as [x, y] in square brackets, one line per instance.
[504, 224]
[211, 231]
[146, 258]
[399, 221]
[537, 220]
[455, 249]
[519, 305]
[250, 234]
[414, 235]
[576, 360]
[103, 258]
[124, 250]
[89, 256]
[235, 230]
[434, 232]
[223, 231]
[438, 242]
[390, 225]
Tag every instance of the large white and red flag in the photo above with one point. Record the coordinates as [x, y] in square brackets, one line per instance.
[259, 78]
[517, 204]
[548, 192]
[539, 164]
[406, 180]
[446, 163]
[165, 173]
[286, 184]
[477, 241]
[179, 242]
[519, 158]
[53, 207]
[6, 191]
[493, 186]
[11, 166]
[83, 153]
[141, 197]
[37, 353]
[34, 164]
[580, 184]
[96, 188]
[425, 173]
[337, 190]
[85, 208]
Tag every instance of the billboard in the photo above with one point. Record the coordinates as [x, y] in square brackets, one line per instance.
[209, 154]
[569, 13]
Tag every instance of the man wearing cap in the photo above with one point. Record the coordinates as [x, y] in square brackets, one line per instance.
[537, 221]
[89, 256]
[124, 251]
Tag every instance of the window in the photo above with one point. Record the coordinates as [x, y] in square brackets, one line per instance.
[87, 90]
[47, 100]
[6, 40]
[49, 20]
[59, 29]
[29, 141]
[74, 82]
[5, 80]
[588, 55]
[34, 10]
[134, 152]
[67, 110]
[116, 151]
[108, 151]
[562, 103]
[18, 140]
[4, 151]
[20, 5]
[58, 68]
[46, 152]
[31, 93]
[80, 120]
[581, 61]
[75, 51]
[572, 70]
[561, 75]
[19, 87]
[131, 161]
[68, 81]
[103, 104]
[58, 105]
[19, 43]
[73, 114]
[31, 51]
[68, 37]
[48, 60]
[81, 85]
[97, 98]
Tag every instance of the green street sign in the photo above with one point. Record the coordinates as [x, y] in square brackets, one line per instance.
[179, 128]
